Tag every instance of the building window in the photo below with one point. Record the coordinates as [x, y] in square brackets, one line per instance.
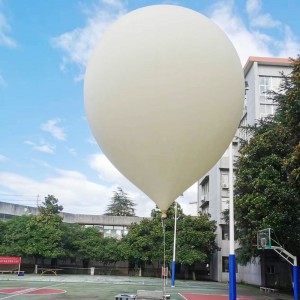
[225, 181]
[225, 232]
[266, 85]
[224, 204]
[242, 132]
[267, 109]
[205, 191]
[205, 210]
[203, 200]
[270, 269]
[225, 264]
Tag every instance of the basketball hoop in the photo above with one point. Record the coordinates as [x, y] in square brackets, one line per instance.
[262, 246]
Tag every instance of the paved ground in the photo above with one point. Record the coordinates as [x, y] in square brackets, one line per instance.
[106, 287]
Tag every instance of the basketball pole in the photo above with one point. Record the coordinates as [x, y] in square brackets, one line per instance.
[264, 242]
[296, 279]
[232, 261]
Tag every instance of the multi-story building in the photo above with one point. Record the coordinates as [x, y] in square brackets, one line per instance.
[261, 75]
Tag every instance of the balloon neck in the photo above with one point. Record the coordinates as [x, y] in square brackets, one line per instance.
[163, 214]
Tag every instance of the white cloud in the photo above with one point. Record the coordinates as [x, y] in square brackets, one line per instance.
[290, 46]
[250, 39]
[105, 168]
[2, 81]
[254, 42]
[3, 158]
[188, 200]
[91, 141]
[253, 6]
[78, 43]
[115, 3]
[42, 146]
[56, 131]
[72, 151]
[5, 29]
[77, 194]
[74, 191]
[109, 174]
[264, 21]
[258, 19]
[80, 195]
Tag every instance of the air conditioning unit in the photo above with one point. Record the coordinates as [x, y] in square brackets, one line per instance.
[225, 186]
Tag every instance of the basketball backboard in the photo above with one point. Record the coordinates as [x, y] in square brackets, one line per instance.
[264, 239]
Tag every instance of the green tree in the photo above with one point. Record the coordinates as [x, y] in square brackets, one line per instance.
[267, 188]
[195, 239]
[88, 244]
[45, 237]
[109, 252]
[3, 229]
[45, 231]
[121, 205]
[15, 236]
[34, 236]
[71, 234]
[50, 206]
[142, 243]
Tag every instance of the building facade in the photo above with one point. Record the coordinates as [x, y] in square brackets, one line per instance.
[262, 74]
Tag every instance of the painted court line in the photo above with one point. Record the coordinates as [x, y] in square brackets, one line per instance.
[182, 296]
[24, 292]
[189, 296]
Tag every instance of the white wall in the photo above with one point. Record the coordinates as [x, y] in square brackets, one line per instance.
[250, 273]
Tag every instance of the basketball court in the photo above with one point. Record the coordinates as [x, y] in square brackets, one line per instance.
[75, 287]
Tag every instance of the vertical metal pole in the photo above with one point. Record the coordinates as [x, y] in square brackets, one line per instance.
[232, 261]
[174, 248]
[296, 279]
[164, 264]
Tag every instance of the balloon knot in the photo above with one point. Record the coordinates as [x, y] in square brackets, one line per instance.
[163, 214]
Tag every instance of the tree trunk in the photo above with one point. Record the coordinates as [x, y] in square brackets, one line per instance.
[193, 271]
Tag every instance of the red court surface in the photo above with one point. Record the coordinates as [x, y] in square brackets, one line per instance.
[31, 291]
[210, 297]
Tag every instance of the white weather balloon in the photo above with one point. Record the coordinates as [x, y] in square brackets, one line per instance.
[164, 93]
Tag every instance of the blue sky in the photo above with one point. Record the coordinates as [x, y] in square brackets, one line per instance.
[46, 144]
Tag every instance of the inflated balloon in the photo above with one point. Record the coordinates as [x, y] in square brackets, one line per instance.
[164, 92]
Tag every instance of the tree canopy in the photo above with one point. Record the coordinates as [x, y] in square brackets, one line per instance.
[195, 239]
[120, 205]
[267, 187]
[50, 206]
[46, 236]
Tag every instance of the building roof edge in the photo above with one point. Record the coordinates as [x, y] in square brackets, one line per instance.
[266, 61]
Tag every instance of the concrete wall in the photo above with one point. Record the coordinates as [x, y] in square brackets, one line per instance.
[20, 210]
[17, 209]
[251, 273]
[99, 219]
